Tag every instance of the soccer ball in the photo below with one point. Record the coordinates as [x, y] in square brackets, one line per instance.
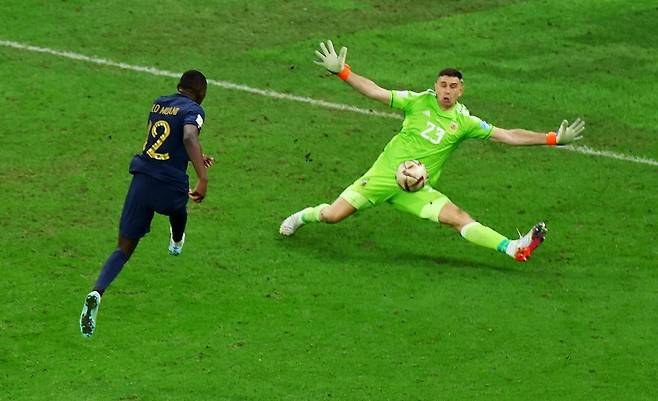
[411, 175]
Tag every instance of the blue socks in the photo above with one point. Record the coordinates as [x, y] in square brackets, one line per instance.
[177, 222]
[111, 270]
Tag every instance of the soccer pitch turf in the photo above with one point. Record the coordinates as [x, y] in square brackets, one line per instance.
[383, 306]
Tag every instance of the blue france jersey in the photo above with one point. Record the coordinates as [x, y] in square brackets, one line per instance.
[164, 156]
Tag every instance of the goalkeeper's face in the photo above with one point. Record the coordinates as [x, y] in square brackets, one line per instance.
[448, 91]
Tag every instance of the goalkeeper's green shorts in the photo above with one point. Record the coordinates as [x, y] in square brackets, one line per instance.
[373, 189]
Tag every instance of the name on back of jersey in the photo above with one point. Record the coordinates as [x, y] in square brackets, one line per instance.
[167, 111]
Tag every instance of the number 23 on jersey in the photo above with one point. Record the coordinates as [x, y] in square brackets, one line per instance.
[433, 133]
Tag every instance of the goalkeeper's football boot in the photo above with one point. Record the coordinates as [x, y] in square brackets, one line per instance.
[175, 248]
[291, 224]
[522, 248]
[89, 312]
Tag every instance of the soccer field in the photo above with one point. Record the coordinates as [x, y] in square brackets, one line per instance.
[383, 306]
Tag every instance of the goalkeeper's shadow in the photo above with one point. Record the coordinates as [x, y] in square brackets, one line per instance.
[451, 262]
[346, 249]
[502, 265]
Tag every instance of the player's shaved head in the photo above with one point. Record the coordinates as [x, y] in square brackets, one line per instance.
[194, 83]
[450, 72]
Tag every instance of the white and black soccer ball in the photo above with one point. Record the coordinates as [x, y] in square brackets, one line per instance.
[411, 175]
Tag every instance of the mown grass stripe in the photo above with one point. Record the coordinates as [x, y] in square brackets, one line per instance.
[279, 95]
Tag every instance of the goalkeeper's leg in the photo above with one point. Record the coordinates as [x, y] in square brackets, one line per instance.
[349, 201]
[334, 213]
[472, 231]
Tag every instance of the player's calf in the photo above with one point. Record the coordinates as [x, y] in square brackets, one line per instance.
[324, 213]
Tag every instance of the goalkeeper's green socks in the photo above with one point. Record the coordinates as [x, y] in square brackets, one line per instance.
[312, 214]
[484, 236]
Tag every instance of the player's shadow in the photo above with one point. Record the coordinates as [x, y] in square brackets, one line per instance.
[451, 262]
[346, 250]
[456, 263]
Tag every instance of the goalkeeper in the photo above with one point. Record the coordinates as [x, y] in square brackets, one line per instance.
[435, 123]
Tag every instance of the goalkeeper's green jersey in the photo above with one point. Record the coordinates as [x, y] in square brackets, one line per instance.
[429, 134]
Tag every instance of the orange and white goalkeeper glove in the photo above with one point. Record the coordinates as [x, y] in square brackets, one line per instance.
[334, 63]
[566, 134]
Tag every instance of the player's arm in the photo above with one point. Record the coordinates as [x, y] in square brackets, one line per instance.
[566, 134]
[368, 88]
[335, 63]
[518, 136]
[193, 148]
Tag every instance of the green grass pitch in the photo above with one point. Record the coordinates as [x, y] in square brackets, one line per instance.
[381, 307]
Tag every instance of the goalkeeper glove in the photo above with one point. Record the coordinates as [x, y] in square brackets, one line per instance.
[334, 63]
[566, 133]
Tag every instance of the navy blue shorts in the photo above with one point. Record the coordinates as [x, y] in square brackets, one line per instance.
[147, 196]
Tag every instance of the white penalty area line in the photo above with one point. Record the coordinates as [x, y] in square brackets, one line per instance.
[279, 95]
[612, 155]
[221, 84]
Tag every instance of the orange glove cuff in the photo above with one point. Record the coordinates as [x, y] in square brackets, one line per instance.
[551, 138]
[345, 72]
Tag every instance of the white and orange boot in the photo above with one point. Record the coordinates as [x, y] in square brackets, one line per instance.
[521, 249]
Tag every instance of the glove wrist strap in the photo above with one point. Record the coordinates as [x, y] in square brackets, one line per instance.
[345, 72]
[551, 138]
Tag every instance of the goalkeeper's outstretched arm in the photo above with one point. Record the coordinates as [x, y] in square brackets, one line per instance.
[368, 88]
[565, 135]
[335, 63]
[518, 136]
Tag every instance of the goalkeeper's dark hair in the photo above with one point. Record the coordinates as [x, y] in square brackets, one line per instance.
[193, 81]
[450, 72]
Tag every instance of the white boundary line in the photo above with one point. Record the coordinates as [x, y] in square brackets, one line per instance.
[279, 95]
[612, 155]
[222, 84]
